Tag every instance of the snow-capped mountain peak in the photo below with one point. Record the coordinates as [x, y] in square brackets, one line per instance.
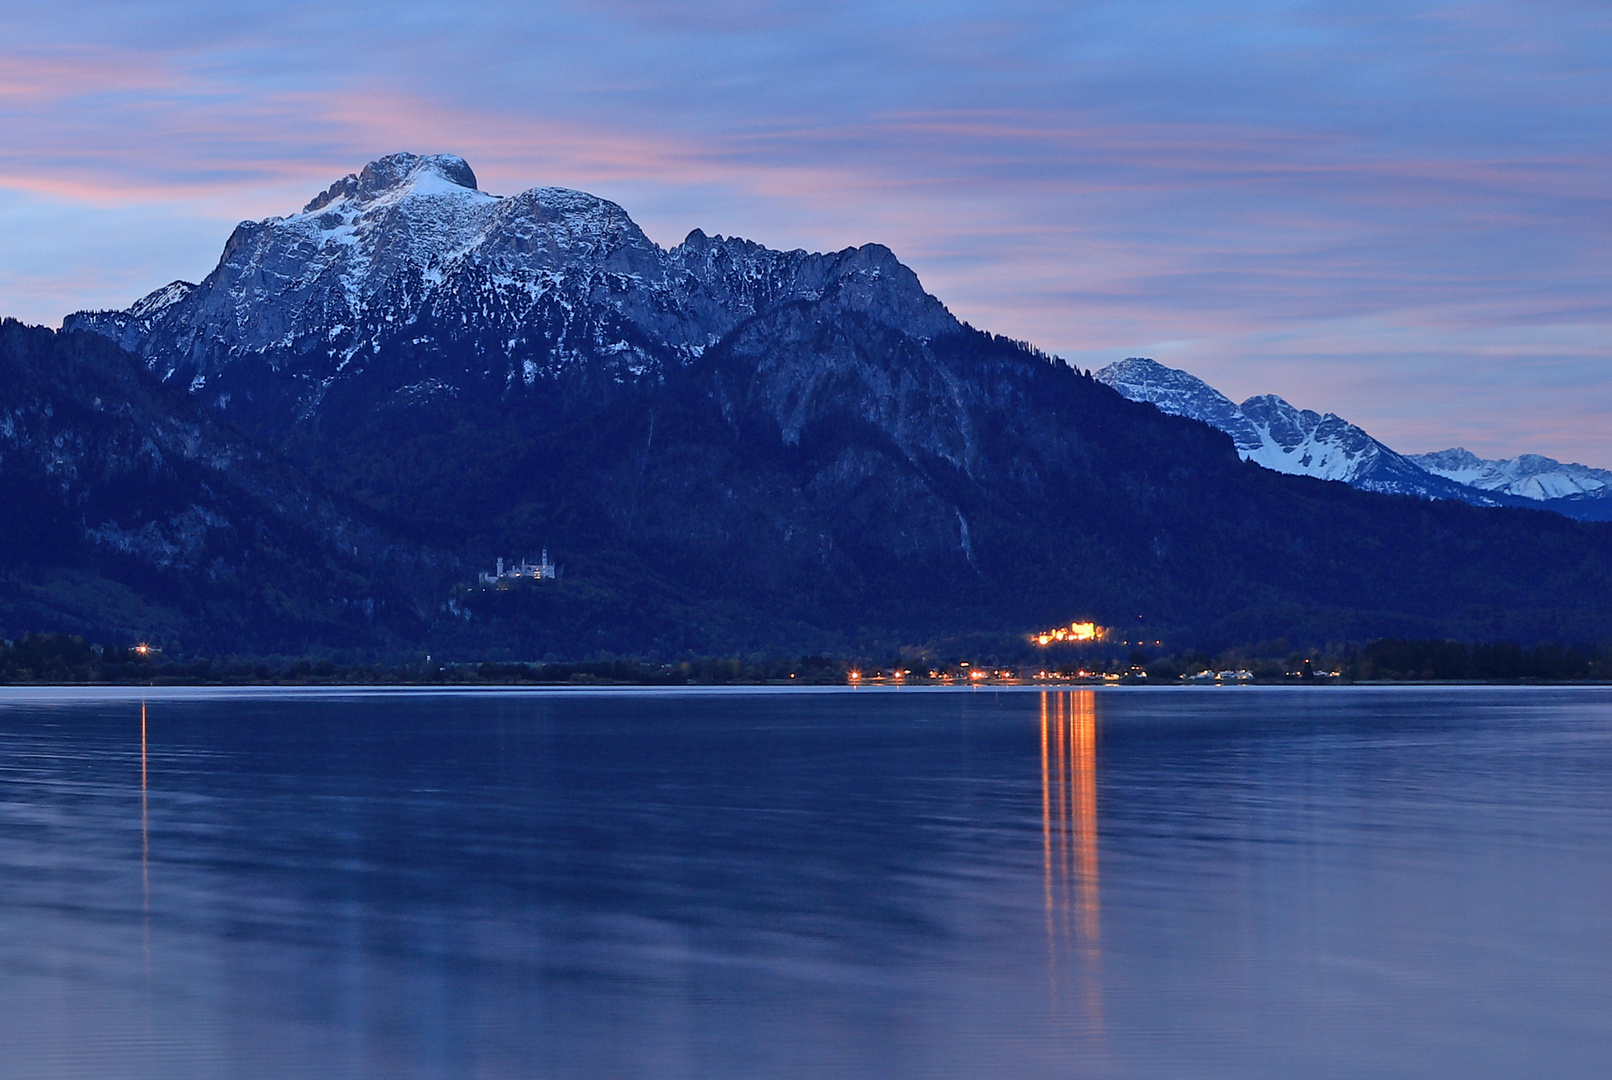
[1308, 443]
[400, 174]
[406, 273]
[1270, 432]
[1180, 393]
[160, 300]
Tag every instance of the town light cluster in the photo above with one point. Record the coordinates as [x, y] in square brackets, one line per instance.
[1075, 632]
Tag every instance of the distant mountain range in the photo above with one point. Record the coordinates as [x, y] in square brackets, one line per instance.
[729, 449]
[1575, 490]
[1269, 431]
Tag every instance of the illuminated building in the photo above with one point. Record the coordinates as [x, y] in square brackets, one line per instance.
[1075, 632]
[540, 571]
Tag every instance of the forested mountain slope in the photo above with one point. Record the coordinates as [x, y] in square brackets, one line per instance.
[132, 514]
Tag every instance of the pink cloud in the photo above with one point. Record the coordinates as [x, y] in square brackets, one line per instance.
[1258, 250]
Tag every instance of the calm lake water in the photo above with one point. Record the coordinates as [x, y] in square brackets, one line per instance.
[1285, 882]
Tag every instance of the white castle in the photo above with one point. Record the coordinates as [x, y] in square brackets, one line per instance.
[524, 569]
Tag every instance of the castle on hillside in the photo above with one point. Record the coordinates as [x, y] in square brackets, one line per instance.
[524, 569]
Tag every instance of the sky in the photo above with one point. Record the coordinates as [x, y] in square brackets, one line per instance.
[1399, 212]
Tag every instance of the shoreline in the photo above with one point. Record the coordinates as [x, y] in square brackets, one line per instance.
[44, 692]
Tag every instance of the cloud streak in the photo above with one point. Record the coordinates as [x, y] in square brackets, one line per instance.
[1398, 212]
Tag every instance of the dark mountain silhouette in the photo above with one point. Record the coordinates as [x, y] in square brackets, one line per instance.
[131, 514]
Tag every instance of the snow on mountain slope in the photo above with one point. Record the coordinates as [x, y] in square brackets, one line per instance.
[1269, 431]
[1530, 476]
[1181, 394]
[1272, 433]
[407, 273]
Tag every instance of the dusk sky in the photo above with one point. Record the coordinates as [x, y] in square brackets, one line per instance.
[1400, 212]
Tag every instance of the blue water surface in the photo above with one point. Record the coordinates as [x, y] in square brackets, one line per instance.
[1234, 882]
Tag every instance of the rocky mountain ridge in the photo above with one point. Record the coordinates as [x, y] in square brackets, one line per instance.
[1275, 434]
[1272, 433]
[467, 292]
[1527, 476]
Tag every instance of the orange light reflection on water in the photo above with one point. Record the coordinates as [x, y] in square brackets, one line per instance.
[1069, 845]
[145, 849]
[145, 833]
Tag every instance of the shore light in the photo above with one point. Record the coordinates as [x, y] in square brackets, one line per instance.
[1079, 631]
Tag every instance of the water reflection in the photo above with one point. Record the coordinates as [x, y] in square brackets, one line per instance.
[1356, 882]
[145, 834]
[1069, 841]
[145, 845]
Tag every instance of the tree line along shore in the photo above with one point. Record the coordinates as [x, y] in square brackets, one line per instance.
[64, 659]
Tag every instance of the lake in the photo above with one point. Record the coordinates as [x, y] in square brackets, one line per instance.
[1195, 882]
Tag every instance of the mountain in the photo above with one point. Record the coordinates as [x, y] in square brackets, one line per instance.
[1269, 431]
[1272, 433]
[405, 282]
[733, 449]
[1575, 490]
[131, 513]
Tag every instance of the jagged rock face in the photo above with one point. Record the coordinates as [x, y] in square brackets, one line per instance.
[1278, 436]
[409, 278]
[1273, 433]
[1307, 443]
[1178, 393]
[807, 366]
